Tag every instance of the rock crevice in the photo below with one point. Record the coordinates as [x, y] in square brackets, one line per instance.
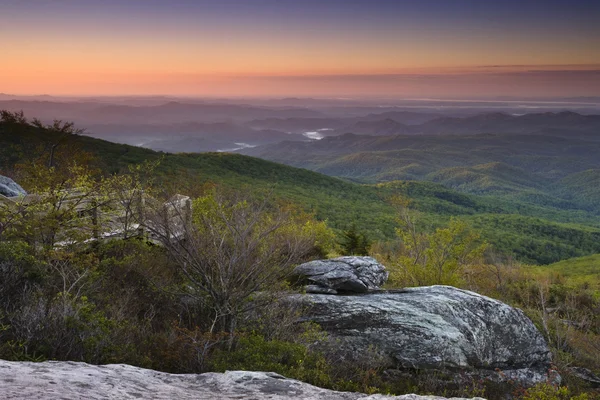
[434, 328]
[341, 275]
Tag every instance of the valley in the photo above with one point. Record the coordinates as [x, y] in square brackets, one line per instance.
[513, 216]
[542, 216]
[283, 199]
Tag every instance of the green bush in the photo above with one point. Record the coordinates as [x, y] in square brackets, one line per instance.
[293, 360]
[546, 391]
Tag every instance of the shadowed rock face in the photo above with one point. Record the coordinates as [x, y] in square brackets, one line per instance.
[10, 188]
[434, 328]
[343, 274]
[73, 381]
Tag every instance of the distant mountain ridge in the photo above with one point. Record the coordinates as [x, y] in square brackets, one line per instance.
[522, 228]
[484, 123]
[385, 127]
[539, 157]
[343, 124]
[189, 137]
[504, 123]
[169, 112]
[413, 123]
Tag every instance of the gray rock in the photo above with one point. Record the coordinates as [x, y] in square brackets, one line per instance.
[54, 380]
[343, 274]
[10, 188]
[586, 375]
[319, 289]
[434, 328]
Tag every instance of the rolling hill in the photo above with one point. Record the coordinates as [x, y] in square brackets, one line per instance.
[99, 112]
[583, 271]
[384, 127]
[506, 123]
[517, 228]
[582, 187]
[494, 177]
[558, 168]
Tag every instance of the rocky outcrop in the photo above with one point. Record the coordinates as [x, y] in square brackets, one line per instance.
[434, 328]
[586, 375]
[342, 274]
[10, 188]
[73, 381]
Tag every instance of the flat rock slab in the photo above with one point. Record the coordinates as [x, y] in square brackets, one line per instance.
[54, 380]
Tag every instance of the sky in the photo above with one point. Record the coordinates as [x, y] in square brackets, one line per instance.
[340, 48]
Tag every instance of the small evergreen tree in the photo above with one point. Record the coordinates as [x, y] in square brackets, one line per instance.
[354, 243]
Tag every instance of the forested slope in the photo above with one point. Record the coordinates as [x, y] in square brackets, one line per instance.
[532, 232]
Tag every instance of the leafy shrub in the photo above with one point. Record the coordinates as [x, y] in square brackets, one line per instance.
[546, 391]
[293, 360]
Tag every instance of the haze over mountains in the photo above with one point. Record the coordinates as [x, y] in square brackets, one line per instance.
[273, 186]
[526, 221]
[546, 158]
[196, 125]
[540, 151]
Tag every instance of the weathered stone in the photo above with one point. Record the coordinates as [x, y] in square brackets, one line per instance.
[54, 380]
[343, 274]
[586, 375]
[10, 188]
[319, 289]
[434, 328]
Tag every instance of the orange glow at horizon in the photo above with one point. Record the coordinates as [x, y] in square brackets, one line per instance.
[176, 54]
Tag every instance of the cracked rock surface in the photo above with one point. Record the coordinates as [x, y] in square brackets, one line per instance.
[54, 380]
[437, 328]
[343, 274]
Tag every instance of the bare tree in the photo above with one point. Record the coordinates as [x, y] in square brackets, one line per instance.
[230, 249]
[128, 193]
[58, 133]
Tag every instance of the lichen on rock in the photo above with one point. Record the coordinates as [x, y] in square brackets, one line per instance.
[351, 274]
[436, 328]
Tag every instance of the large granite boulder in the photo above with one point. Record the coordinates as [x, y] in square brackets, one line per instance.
[54, 380]
[437, 328]
[342, 274]
[10, 188]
